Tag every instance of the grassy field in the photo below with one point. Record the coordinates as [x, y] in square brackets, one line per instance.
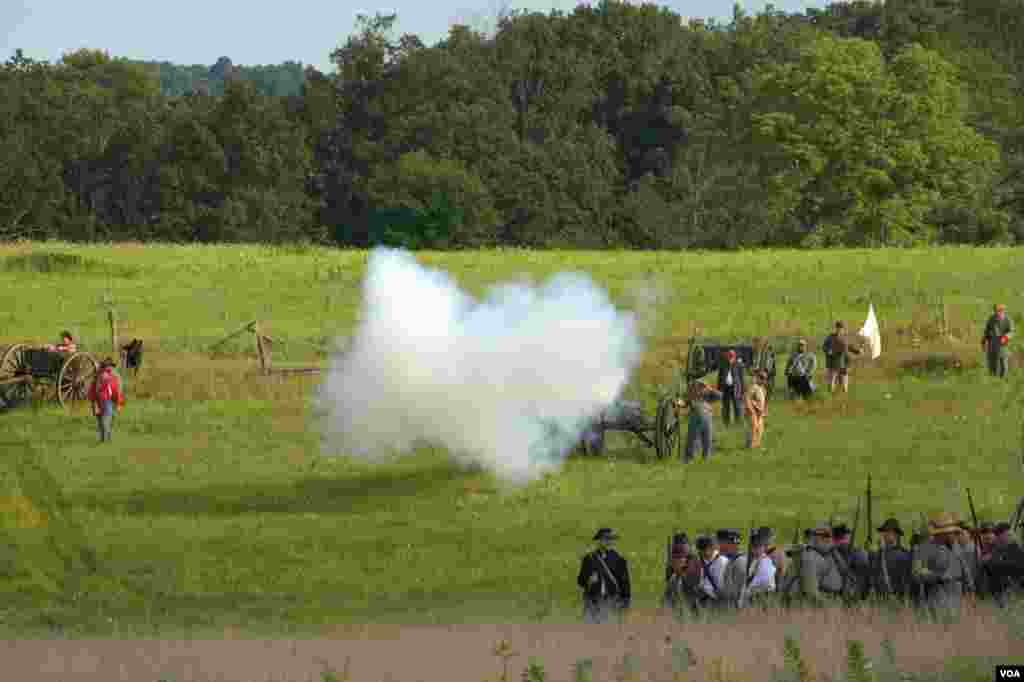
[214, 507]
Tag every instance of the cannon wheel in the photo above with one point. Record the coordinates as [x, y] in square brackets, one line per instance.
[667, 429]
[11, 361]
[75, 376]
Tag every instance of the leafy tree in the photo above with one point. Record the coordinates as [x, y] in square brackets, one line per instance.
[859, 151]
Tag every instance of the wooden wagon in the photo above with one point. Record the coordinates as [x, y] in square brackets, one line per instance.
[705, 357]
[26, 370]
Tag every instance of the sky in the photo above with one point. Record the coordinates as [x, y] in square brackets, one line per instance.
[249, 33]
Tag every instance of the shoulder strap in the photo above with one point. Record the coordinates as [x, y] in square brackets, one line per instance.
[709, 574]
[608, 571]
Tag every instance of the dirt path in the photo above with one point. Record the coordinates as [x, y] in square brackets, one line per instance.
[453, 654]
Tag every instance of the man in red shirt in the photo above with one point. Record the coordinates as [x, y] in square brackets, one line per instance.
[107, 399]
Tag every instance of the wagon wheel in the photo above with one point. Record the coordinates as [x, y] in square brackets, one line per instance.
[667, 429]
[12, 360]
[75, 376]
[17, 393]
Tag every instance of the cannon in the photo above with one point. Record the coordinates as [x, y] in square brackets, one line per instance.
[24, 368]
[662, 433]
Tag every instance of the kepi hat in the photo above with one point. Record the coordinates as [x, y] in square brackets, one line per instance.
[891, 525]
[728, 535]
[605, 534]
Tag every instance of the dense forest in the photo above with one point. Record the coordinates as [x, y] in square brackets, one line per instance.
[612, 126]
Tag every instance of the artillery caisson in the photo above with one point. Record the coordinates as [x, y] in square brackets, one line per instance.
[26, 370]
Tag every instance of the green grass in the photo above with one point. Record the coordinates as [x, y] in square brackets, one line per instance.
[215, 506]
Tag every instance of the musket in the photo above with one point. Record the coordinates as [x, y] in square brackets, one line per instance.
[746, 578]
[870, 530]
[974, 531]
[856, 522]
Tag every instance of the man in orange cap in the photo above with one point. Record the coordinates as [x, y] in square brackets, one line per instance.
[996, 342]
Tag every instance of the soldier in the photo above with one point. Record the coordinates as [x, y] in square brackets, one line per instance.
[66, 345]
[837, 358]
[681, 586]
[698, 401]
[816, 579]
[712, 575]
[986, 583]
[604, 577]
[760, 579]
[680, 544]
[732, 385]
[1007, 562]
[800, 371]
[852, 563]
[968, 551]
[995, 341]
[889, 568]
[756, 405]
[939, 568]
[735, 570]
[773, 551]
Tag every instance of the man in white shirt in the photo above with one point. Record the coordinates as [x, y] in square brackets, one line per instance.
[712, 574]
[760, 576]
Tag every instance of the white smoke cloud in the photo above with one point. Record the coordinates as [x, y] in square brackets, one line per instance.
[506, 382]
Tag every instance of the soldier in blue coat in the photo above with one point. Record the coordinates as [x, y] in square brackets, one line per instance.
[604, 577]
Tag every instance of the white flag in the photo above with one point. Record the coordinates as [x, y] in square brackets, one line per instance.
[870, 332]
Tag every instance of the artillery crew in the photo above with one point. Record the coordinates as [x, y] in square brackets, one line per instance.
[699, 397]
[995, 341]
[800, 371]
[756, 405]
[604, 577]
[837, 358]
[732, 385]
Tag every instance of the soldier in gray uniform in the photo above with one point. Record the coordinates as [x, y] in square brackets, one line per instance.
[852, 562]
[939, 568]
[735, 572]
[710, 585]
[816, 579]
[995, 342]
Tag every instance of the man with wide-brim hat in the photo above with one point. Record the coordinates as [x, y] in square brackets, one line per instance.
[995, 341]
[604, 577]
[939, 568]
[889, 568]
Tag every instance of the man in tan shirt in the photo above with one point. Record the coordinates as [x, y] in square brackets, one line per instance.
[755, 409]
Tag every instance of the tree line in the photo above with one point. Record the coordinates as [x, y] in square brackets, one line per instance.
[611, 126]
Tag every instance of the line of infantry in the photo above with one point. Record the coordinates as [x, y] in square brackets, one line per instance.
[941, 569]
[740, 399]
